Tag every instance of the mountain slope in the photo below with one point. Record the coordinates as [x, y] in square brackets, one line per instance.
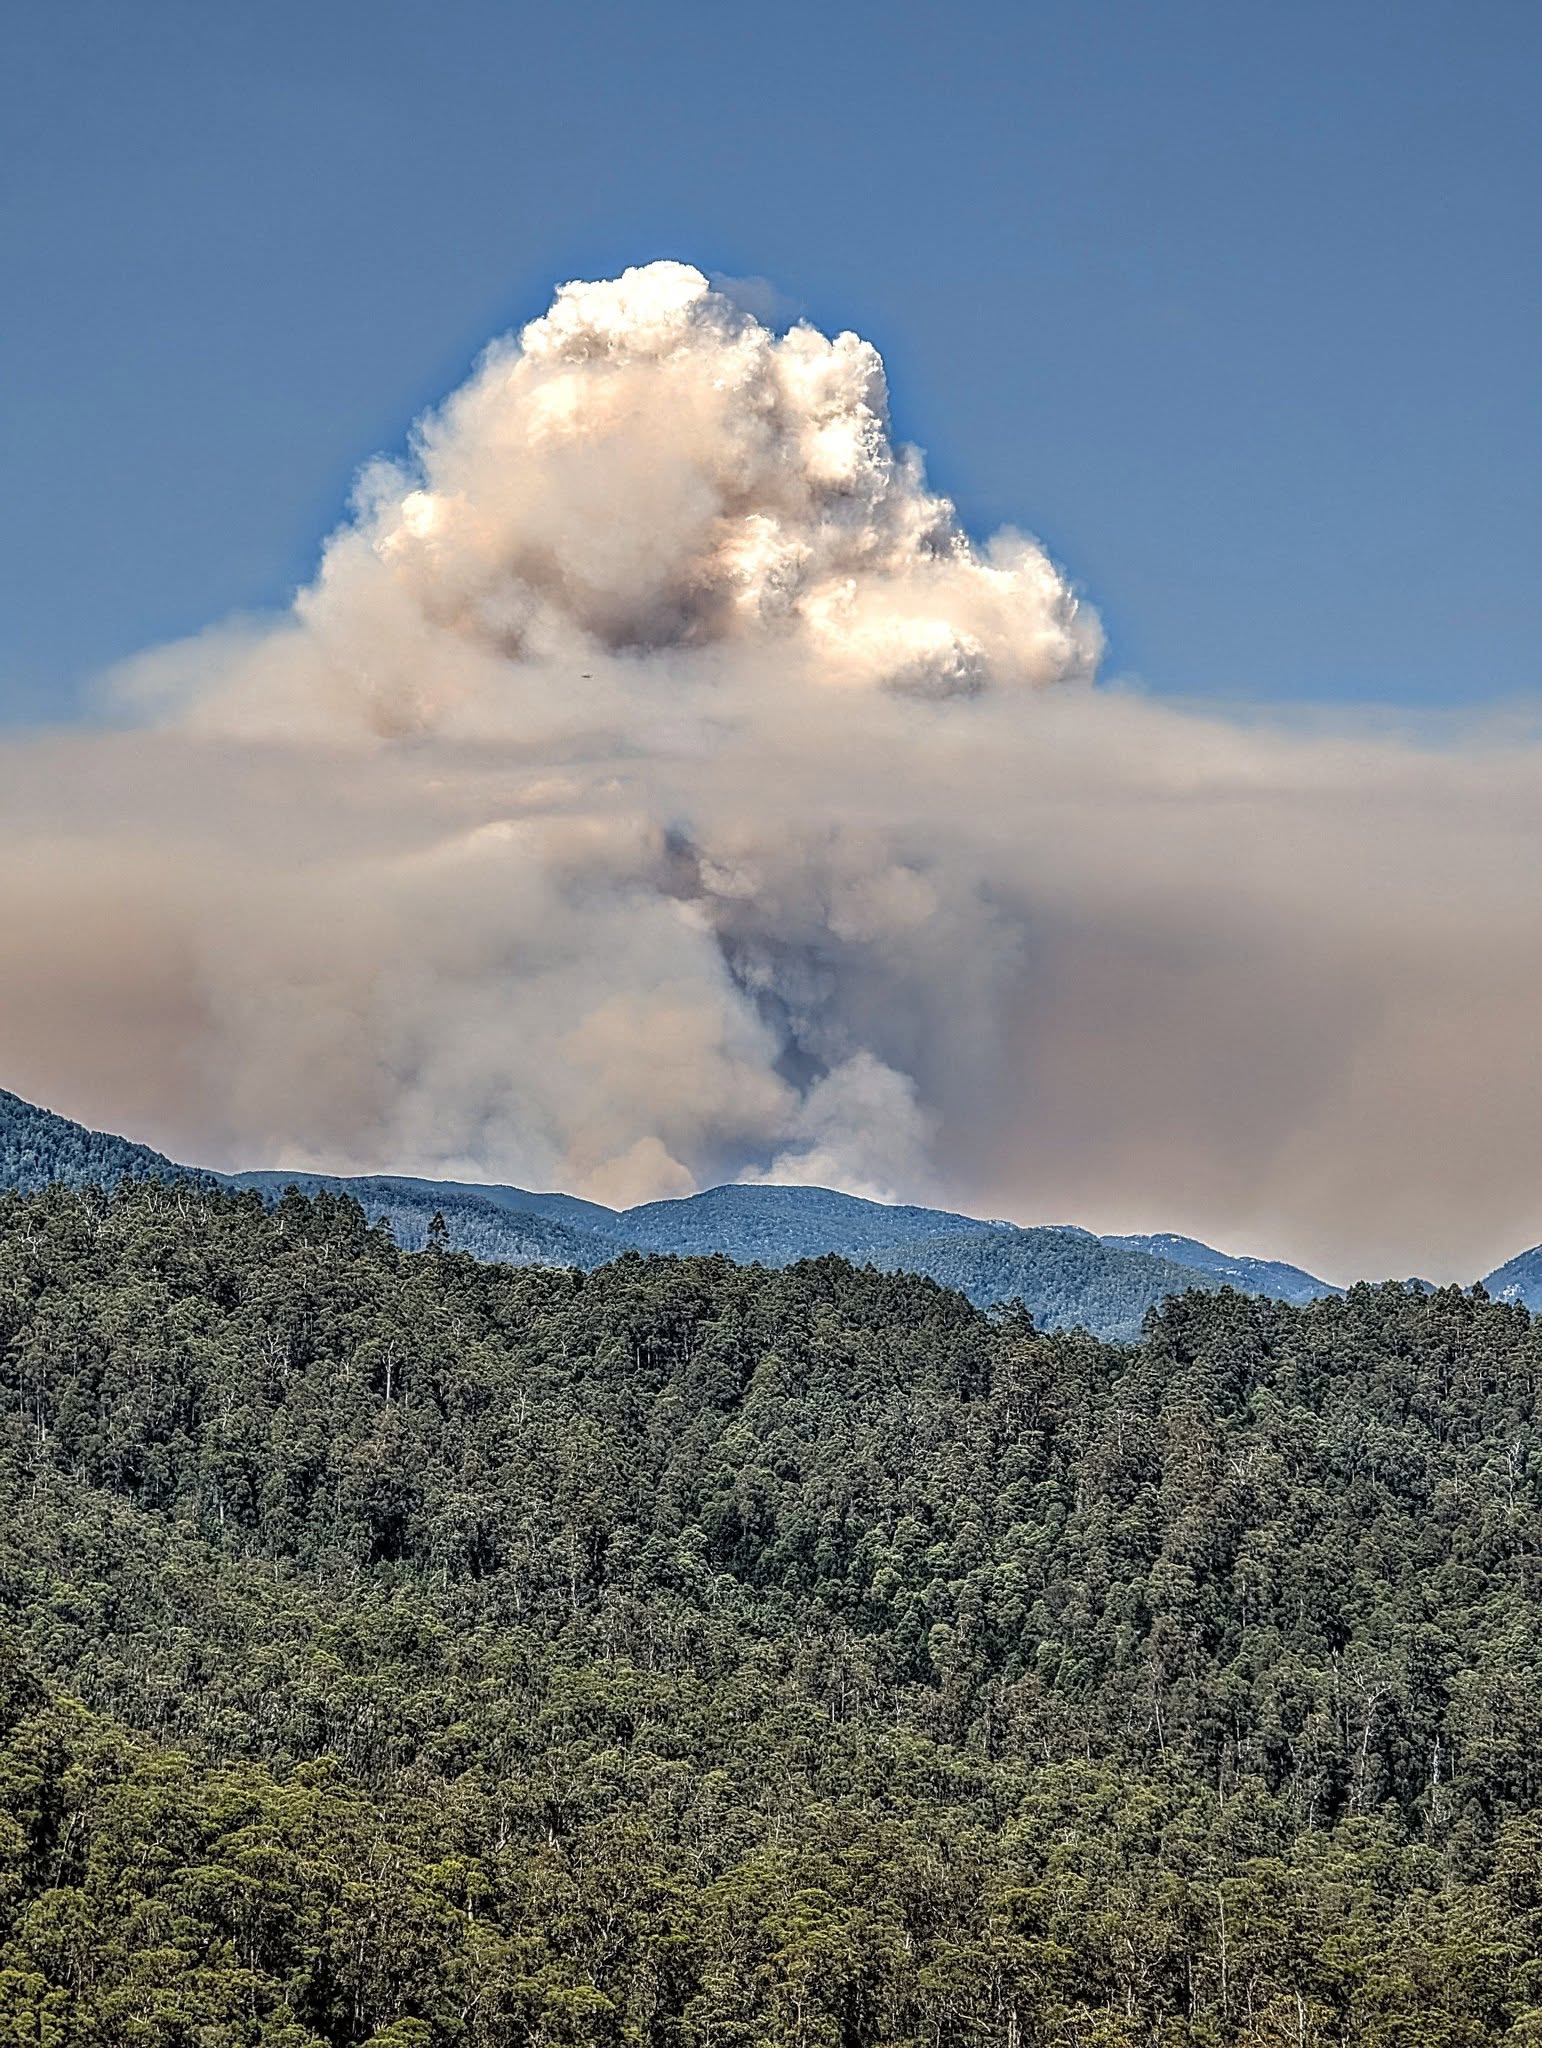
[776, 1225]
[475, 1221]
[1063, 1275]
[570, 1210]
[1519, 1279]
[38, 1147]
[1273, 1277]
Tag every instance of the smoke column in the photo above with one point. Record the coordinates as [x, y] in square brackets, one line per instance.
[655, 786]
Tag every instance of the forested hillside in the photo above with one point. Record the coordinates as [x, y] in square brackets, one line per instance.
[1519, 1279]
[470, 1221]
[1066, 1277]
[37, 1148]
[411, 1651]
[1252, 1276]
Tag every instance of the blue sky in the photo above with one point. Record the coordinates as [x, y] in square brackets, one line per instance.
[1235, 306]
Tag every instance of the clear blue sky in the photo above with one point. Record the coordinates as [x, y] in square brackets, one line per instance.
[1236, 304]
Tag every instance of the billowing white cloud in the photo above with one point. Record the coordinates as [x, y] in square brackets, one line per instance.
[655, 786]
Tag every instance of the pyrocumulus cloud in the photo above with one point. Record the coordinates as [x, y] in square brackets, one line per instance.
[655, 786]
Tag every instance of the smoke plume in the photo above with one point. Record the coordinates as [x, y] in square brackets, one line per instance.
[655, 786]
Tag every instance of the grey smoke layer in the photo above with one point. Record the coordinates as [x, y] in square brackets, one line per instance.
[656, 787]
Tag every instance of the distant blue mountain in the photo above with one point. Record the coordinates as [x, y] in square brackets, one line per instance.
[1066, 1277]
[567, 1209]
[489, 1222]
[1519, 1279]
[776, 1225]
[38, 1148]
[1063, 1275]
[1249, 1276]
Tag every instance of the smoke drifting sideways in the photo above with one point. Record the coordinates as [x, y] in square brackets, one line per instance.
[656, 787]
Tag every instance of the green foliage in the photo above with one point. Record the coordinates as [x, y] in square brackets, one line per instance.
[406, 1651]
[38, 1148]
[1065, 1277]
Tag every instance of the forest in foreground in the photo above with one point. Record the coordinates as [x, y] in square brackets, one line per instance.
[406, 1651]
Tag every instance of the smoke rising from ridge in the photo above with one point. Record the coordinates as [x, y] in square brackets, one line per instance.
[655, 786]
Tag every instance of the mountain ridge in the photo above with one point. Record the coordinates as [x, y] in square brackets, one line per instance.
[1275, 1278]
[1064, 1274]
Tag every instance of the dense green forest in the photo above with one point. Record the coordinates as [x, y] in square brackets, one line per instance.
[410, 1651]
